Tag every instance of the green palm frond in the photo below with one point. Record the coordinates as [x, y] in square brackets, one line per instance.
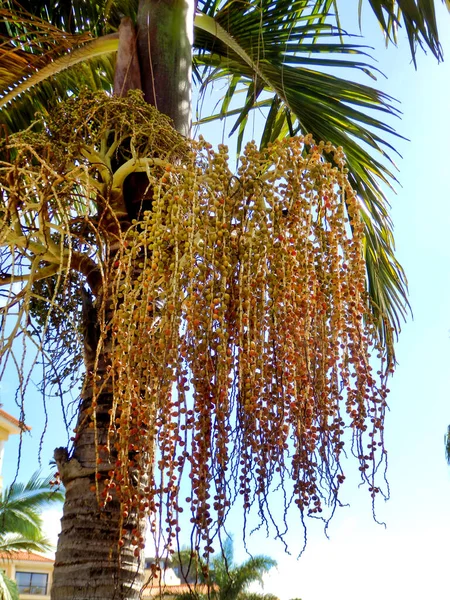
[226, 579]
[257, 596]
[41, 64]
[230, 579]
[105, 45]
[21, 504]
[192, 595]
[95, 74]
[29, 45]
[18, 543]
[8, 588]
[75, 16]
[418, 17]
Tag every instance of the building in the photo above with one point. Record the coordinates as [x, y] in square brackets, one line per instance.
[31, 572]
[8, 426]
[33, 575]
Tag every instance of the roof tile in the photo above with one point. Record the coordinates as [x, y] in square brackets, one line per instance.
[31, 556]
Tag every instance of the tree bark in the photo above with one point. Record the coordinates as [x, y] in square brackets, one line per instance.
[89, 563]
[127, 74]
[165, 37]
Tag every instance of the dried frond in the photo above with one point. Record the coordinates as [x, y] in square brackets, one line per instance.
[31, 43]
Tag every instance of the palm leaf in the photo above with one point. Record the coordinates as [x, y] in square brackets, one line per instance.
[34, 54]
[21, 504]
[18, 543]
[104, 45]
[418, 17]
[229, 579]
[75, 16]
[8, 588]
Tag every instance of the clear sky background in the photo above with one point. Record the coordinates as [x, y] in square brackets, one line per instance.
[362, 560]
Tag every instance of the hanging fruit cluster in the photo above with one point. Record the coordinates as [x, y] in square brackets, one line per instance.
[234, 326]
[241, 337]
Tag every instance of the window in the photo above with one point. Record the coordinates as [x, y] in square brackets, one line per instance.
[32, 583]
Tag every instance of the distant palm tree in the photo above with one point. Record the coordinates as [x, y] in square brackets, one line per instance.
[229, 581]
[21, 523]
[258, 596]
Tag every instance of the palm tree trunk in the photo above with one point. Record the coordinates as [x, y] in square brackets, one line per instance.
[89, 563]
[165, 37]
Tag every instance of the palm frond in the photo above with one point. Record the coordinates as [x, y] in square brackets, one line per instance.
[21, 504]
[8, 588]
[17, 543]
[230, 579]
[104, 45]
[41, 63]
[75, 16]
[418, 17]
[35, 493]
[29, 44]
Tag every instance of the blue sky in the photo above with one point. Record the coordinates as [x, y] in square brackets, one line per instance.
[361, 559]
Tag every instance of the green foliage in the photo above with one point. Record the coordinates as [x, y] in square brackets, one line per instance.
[21, 523]
[20, 519]
[256, 596]
[232, 579]
[227, 580]
[8, 588]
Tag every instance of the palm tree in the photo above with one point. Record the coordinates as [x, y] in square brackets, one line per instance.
[231, 580]
[8, 588]
[228, 580]
[280, 53]
[21, 522]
